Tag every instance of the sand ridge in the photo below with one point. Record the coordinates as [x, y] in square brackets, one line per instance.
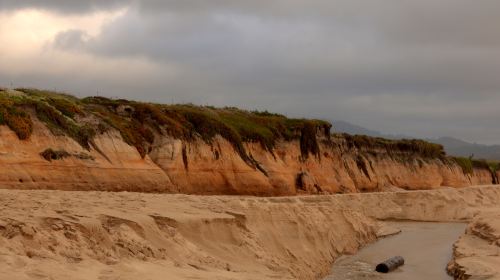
[101, 235]
[477, 252]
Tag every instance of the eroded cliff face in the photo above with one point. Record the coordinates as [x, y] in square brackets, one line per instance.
[198, 167]
[23, 167]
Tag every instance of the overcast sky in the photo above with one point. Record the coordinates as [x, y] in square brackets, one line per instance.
[422, 67]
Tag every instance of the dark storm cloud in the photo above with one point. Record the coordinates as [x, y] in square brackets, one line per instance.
[64, 6]
[417, 67]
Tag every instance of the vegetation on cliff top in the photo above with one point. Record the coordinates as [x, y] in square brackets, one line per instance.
[18, 120]
[419, 147]
[468, 164]
[414, 146]
[138, 122]
[494, 166]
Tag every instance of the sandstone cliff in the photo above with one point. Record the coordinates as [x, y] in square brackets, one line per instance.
[48, 142]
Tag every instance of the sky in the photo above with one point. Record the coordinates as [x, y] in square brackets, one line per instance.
[424, 68]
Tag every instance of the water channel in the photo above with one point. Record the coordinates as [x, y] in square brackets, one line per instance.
[426, 248]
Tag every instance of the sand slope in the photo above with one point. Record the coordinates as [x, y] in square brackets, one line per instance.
[477, 252]
[138, 236]
[99, 235]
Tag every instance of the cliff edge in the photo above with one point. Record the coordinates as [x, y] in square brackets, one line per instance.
[56, 141]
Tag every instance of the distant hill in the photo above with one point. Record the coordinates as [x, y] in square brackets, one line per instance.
[453, 146]
[462, 148]
[342, 126]
[346, 127]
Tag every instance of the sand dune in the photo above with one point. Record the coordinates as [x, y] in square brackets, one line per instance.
[100, 235]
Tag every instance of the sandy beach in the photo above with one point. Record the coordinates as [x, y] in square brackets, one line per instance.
[100, 235]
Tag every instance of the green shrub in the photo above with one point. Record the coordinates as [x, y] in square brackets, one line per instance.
[414, 146]
[208, 126]
[66, 107]
[44, 94]
[469, 164]
[57, 111]
[494, 166]
[59, 123]
[155, 117]
[132, 131]
[480, 164]
[250, 128]
[465, 164]
[99, 100]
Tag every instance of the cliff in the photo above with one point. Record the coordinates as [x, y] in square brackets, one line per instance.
[56, 141]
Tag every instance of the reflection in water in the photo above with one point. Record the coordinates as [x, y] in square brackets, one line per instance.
[426, 247]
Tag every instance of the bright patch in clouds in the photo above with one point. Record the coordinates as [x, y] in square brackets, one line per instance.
[28, 31]
[27, 50]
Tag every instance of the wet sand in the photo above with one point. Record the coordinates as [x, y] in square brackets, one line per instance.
[426, 248]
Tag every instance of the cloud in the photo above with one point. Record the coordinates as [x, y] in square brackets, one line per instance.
[62, 6]
[70, 39]
[415, 67]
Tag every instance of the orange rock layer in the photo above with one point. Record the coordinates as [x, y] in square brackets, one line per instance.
[195, 167]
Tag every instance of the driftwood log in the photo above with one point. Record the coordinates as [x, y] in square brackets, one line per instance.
[390, 264]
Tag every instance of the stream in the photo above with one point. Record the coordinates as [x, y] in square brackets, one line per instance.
[426, 248]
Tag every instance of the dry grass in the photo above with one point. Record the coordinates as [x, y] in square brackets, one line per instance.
[14, 116]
